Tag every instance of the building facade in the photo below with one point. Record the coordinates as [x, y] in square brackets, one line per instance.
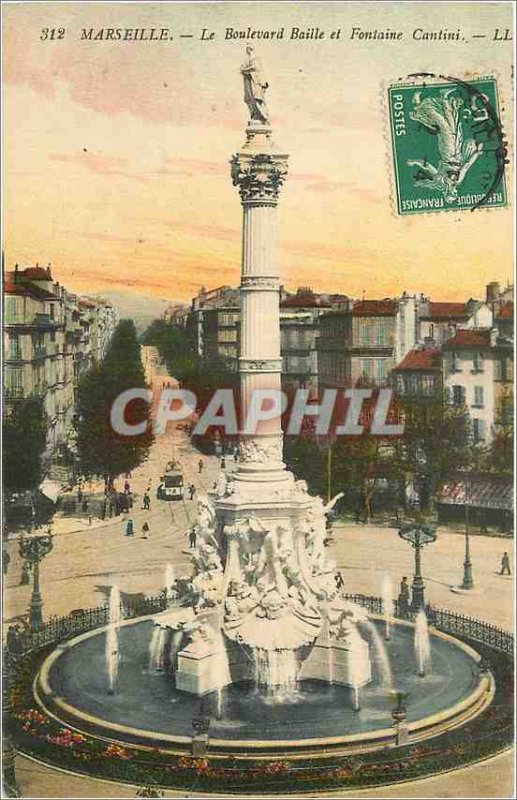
[48, 346]
[363, 341]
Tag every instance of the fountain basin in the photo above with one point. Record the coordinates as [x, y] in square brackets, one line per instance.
[148, 710]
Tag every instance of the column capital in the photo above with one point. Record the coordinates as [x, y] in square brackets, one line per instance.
[259, 176]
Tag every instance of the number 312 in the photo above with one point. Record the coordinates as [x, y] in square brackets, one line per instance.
[52, 33]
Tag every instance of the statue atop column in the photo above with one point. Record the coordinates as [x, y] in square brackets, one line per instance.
[255, 87]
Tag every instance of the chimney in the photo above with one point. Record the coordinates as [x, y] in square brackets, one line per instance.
[493, 290]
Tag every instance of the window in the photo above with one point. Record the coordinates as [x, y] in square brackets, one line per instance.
[478, 430]
[401, 388]
[412, 384]
[13, 382]
[478, 362]
[431, 331]
[503, 370]
[455, 363]
[15, 348]
[427, 384]
[227, 335]
[13, 310]
[51, 310]
[506, 411]
[458, 395]
[479, 400]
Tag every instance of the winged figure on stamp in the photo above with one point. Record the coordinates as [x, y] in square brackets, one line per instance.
[441, 116]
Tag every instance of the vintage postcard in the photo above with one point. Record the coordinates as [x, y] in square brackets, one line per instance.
[258, 409]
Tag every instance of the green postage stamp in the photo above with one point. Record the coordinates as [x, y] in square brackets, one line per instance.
[447, 144]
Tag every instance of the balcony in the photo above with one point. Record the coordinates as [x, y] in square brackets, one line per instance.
[13, 392]
[44, 321]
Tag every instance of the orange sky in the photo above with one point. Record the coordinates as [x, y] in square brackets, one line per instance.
[116, 153]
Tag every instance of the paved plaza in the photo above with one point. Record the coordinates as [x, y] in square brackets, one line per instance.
[87, 560]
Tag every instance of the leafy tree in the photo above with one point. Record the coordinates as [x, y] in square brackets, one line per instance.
[306, 459]
[499, 456]
[437, 440]
[359, 462]
[24, 435]
[101, 450]
[201, 375]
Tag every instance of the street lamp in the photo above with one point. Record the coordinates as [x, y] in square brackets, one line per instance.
[468, 580]
[418, 535]
[33, 549]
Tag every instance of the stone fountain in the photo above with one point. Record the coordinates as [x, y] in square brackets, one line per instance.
[265, 585]
[259, 630]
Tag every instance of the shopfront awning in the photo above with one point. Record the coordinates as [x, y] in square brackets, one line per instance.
[490, 493]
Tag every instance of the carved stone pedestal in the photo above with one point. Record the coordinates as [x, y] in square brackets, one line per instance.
[202, 668]
[345, 662]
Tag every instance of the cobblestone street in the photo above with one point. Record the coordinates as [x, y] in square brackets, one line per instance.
[85, 563]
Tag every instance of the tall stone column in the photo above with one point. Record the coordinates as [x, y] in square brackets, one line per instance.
[258, 171]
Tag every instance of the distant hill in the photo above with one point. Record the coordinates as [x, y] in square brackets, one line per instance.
[141, 308]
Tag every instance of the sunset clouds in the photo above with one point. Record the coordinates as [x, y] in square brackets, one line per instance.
[116, 154]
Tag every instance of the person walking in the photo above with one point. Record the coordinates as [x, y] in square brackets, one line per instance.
[340, 584]
[146, 502]
[200, 466]
[145, 530]
[79, 495]
[403, 597]
[192, 538]
[191, 491]
[223, 462]
[127, 487]
[25, 577]
[505, 564]
[130, 527]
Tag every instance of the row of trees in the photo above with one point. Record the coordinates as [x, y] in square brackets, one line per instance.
[437, 441]
[199, 374]
[100, 449]
[24, 437]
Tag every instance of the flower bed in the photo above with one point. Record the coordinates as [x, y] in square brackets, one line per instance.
[41, 736]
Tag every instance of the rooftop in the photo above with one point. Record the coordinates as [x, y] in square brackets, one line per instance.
[375, 308]
[476, 337]
[446, 311]
[422, 358]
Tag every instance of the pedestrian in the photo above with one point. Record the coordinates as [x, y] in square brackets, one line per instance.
[25, 578]
[79, 495]
[340, 584]
[146, 502]
[90, 519]
[192, 538]
[12, 639]
[145, 530]
[130, 527]
[200, 466]
[127, 487]
[403, 598]
[223, 462]
[192, 491]
[505, 564]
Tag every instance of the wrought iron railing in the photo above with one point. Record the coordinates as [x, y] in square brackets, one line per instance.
[447, 621]
[58, 629]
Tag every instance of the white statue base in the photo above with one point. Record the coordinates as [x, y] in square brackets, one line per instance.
[202, 668]
[342, 661]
